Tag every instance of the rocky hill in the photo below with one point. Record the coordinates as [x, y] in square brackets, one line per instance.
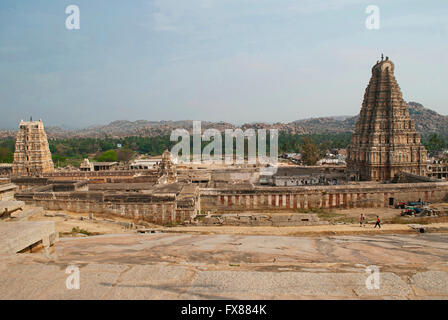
[426, 121]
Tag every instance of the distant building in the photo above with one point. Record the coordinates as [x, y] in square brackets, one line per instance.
[385, 141]
[305, 176]
[145, 164]
[32, 155]
[332, 157]
[335, 161]
[88, 166]
[293, 157]
[438, 169]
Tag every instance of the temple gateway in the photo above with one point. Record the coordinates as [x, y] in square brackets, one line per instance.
[385, 141]
[32, 156]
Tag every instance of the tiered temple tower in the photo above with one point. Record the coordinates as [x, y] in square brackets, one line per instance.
[385, 141]
[167, 169]
[32, 155]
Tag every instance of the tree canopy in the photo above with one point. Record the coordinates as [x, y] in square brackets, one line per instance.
[73, 150]
[107, 156]
[310, 154]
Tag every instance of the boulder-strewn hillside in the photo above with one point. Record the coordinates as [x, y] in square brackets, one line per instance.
[122, 128]
[426, 121]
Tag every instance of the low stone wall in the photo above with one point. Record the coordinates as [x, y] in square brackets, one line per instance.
[7, 191]
[175, 206]
[265, 199]
[24, 183]
[107, 176]
[406, 177]
[96, 177]
[251, 219]
[151, 208]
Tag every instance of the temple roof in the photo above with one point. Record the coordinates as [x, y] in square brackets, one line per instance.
[383, 65]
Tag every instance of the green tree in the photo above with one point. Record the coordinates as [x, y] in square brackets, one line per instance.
[6, 156]
[107, 156]
[310, 153]
[124, 154]
[58, 160]
[435, 143]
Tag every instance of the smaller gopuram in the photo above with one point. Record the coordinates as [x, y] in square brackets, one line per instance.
[32, 156]
[167, 170]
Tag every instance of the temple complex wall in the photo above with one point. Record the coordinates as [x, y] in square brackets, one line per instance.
[150, 208]
[99, 177]
[112, 176]
[290, 199]
[177, 203]
[246, 175]
[24, 183]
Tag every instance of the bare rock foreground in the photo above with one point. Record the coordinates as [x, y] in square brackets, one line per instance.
[220, 266]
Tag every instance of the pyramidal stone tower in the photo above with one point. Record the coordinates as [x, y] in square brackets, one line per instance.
[385, 142]
[32, 155]
[167, 169]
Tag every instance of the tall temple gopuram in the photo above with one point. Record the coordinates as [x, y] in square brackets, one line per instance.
[385, 141]
[32, 156]
[167, 169]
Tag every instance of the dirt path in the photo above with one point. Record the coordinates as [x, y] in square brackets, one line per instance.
[342, 222]
[349, 229]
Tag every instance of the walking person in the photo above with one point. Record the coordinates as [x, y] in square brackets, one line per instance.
[361, 220]
[378, 222]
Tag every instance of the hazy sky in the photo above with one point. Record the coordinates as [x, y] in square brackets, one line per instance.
[232, 60]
